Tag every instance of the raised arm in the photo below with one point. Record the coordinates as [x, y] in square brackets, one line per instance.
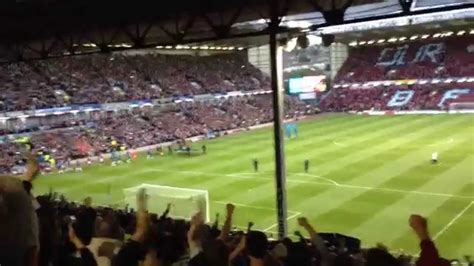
[240, 247]
[429, 255]
[133, 251]
[317, 241]
[143, 219]
[166, 212]
[193, 240]
[87, 258]
[303, 222]
[228, 222]
[32, 169]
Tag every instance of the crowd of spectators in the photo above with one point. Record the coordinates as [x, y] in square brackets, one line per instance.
[425, 59]
[49, 230]
[425, 97]
[147, 126]
[105, 78]
[439, 62]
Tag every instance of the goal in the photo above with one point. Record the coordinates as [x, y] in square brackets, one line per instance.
[184, 202]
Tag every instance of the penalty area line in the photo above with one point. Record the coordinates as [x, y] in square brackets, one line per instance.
[275, 225]
[318, 177]
[257, 229]
[330, 182]
[407, 191]
[251, 176]
[448, 225]
[339, 144]
[326, 183]
[251, 206]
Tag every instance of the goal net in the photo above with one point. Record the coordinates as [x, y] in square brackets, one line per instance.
[184, 202]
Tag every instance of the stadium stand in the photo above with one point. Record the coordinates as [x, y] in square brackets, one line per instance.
[417, 75]
[416, 97]
[81, 138]
[118, 78]
[79, 234]
[28, 87]
[410, 60]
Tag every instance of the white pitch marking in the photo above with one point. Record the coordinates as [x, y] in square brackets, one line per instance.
[243, 175]
[320, 177]
[245, 228]
[250, 206]
[407, 191]
[238, 175]
[448, 141]
[255, 176]
[249, 173]
[334, 183]
[275, 225]
[339, 144]
[446, 227]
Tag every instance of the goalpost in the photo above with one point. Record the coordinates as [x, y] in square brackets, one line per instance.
[184, 202]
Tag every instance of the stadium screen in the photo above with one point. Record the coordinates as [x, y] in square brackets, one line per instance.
[308, 84]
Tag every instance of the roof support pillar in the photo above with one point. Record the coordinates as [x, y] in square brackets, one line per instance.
[276, 68]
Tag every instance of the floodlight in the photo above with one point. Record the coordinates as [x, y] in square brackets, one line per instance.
[353, 43]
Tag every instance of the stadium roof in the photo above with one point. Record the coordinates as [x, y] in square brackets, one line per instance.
[48, 28]
[34, 19]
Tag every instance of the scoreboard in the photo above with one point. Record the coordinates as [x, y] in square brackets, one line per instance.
[307, 87]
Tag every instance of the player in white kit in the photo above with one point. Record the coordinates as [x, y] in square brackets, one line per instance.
[434, 157]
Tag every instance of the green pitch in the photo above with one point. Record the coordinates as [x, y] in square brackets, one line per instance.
[367, 175]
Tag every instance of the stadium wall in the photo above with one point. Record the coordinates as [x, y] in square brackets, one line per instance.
[415, 112]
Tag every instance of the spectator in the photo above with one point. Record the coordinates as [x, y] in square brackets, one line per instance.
[18, 224]
[135, 249]
[108, 239]
[317, 241]
[257, 247]
[19, 230]
[429, 255]
[178, 122]
[152, 237]
[119, 78]
[203, 249]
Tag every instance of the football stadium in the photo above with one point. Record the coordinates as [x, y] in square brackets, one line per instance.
[279, 133]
